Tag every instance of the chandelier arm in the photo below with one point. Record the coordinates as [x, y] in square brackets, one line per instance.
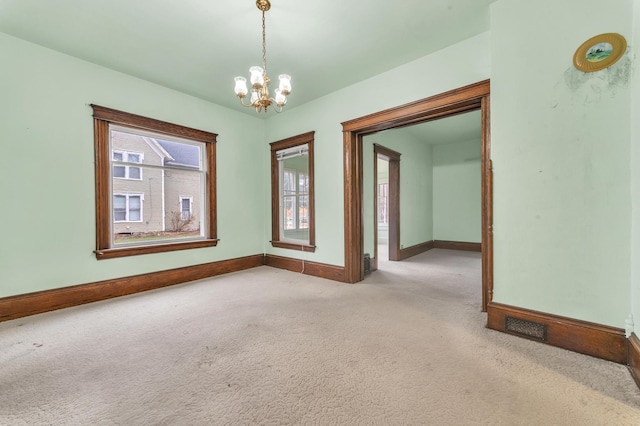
[242, 102]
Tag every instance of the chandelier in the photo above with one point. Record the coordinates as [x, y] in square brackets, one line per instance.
[260, 99]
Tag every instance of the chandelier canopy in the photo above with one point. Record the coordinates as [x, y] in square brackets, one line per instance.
[260, 99]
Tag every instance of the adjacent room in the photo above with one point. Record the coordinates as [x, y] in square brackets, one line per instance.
[283, 212]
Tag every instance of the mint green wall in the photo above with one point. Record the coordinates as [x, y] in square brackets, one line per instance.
[47, 169]
[560, 150]
[456, 66]
[416, 183]
[457, 197]
[635, 170]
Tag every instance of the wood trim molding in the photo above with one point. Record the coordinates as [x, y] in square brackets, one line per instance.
[457, 245]
[460, 100]
[146, 123]
[487, 204]
[587, 338]
[634, 357]
[353, 241]
[388, 153]
[408, 252]
[49, 300]
[321, 270]
[102, 118]
[302, 139]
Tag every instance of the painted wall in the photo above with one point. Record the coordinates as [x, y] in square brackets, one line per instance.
[416, 187]
[47, 169]
[456, 66]
[457, 197]
[635, 169]
[560, 150]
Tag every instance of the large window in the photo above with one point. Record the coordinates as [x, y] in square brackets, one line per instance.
[292, 193]
[143, 169]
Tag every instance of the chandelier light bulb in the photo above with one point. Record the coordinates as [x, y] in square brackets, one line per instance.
[241, 86]
[285, 84]
[257, 77]
[281, 98]
[255, 96]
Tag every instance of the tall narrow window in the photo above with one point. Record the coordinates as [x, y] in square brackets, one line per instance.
[142, 167]
[292, 193]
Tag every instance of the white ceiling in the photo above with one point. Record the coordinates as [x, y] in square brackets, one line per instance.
[198, 46]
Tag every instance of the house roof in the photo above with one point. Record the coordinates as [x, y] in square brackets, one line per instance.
[182, 154]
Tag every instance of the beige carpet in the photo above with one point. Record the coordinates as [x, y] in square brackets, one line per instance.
[266, 346]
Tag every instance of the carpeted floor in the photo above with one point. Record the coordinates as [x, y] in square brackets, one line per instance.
[266, 346]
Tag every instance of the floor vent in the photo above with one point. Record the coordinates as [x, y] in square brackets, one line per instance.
[530, 329]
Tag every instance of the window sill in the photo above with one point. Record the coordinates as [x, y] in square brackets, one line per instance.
[112, 253]
[294, 246]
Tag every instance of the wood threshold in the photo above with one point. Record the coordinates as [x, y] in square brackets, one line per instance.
[408, 252]
[457, 245]
[19, 306]
[321, 270]
[584, 337]
[634, 357]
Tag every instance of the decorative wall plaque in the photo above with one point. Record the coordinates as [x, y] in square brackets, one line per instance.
[599, 52]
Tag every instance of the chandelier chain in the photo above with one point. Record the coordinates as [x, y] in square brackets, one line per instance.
[264, 45]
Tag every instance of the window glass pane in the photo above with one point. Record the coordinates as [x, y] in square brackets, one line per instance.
[118, 171]
[157, 209]
[303, 182]
[119, 207]
[117, 156]
[303, 212]
[289, 182]
[134, 208]
[186, 209]
[289, 212]
[134, 172]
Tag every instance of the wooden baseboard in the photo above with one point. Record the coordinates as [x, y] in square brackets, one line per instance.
[584, 337]
[408, 252]
[457, 245]
[13, 307]
[634, 357]
[331, 272]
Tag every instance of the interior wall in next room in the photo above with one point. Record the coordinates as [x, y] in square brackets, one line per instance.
[457, 198]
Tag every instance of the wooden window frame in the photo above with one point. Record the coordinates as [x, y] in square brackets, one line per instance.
[305, 138]
[104, 117]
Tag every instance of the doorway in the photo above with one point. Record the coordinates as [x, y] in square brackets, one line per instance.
[458, 101]
[386, 178]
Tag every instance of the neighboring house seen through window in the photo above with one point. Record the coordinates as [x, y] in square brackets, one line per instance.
[292, 193]
[144, 168]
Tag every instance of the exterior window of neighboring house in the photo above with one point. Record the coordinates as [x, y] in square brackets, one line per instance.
[292, 205]
[127, 207]
[383, 203]
[185, 207]
[143, 166]
[124, 171]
